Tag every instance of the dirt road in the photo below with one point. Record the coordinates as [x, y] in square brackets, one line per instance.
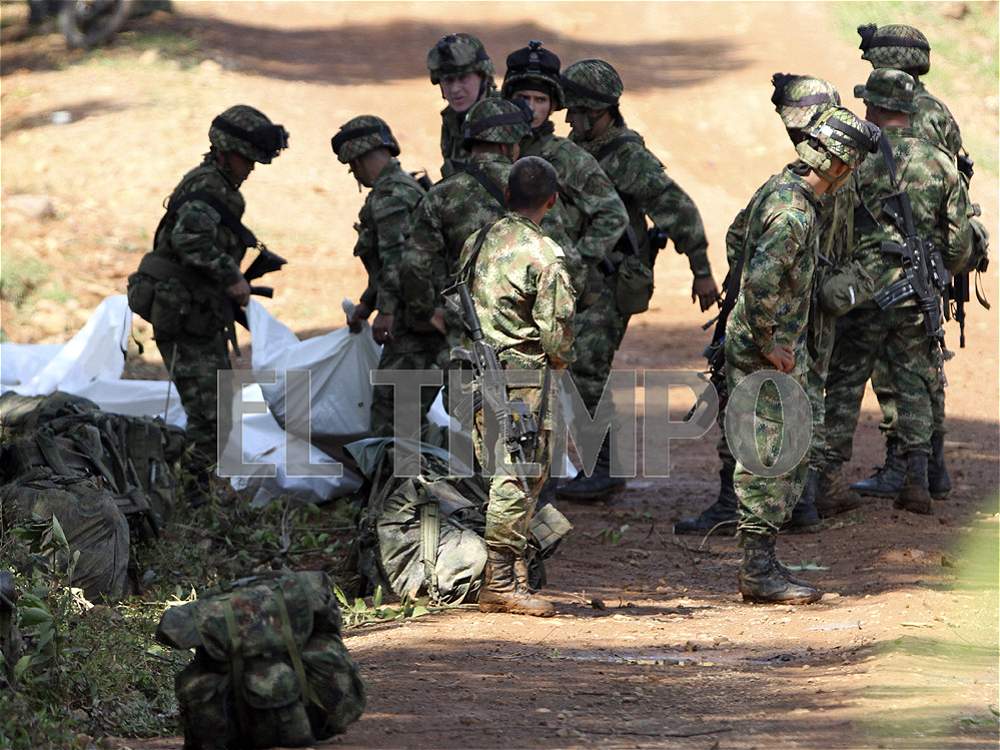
[651, 647]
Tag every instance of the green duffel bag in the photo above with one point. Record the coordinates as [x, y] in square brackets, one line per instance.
[633, 285]
[269, 668]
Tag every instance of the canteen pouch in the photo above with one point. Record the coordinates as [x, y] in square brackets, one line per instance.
[633, 286]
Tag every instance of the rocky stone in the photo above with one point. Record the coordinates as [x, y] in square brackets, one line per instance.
[31, 206]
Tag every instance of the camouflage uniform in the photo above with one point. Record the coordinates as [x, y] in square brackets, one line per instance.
[383, 227]
[456, 54]
[196, 256]
[452, 210]
[940, 212]
[525, 301]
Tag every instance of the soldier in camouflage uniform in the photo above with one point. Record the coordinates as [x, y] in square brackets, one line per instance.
[367, 144]
[906, 48]
[940, 213]
[459, 65]
[458, 206]
[187, 285]
[525, 301]
[589, 217]
[593, 89]
[797, 99]
[767, 330]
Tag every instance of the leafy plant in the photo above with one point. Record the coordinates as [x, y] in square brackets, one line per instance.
[612, 534]
[358, 612]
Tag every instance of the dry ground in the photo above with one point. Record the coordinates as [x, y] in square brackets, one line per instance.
[901, 655]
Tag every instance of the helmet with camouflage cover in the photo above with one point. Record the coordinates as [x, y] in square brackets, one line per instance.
[592, 84]
[360, 135]
[457, 54]
[888, 89]
[839, 133]
[895, 46]
[798, 99]
[497, 120]
[532, 67]
[248, 132]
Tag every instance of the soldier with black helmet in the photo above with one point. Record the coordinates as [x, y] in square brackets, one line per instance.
[369, 147]
[589, 217]
[187, 285]
[459, 65]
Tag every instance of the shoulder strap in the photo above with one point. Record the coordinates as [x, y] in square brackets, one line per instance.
[228, 218]
[483, 179]
[890, 161]
[611, 146]
[470, 264]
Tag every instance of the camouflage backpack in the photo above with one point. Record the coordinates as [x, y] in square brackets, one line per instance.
[269, 668]
[423, 536]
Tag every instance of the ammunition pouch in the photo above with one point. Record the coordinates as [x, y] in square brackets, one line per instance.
[176, 300]
[845, 287]
[633, 286]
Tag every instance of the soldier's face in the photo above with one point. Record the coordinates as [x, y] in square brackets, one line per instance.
[579, 121]
[540, 104]
[461, 91]
[239, 166]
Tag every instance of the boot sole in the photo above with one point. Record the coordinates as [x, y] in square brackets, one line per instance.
[498, 608]
[811, 599]
[874, 493]
[812, 528]
[922, 511]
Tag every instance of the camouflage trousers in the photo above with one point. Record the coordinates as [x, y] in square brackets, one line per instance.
[822, 333]
[404, 352]
[598, 332]
[193, 365]
[512, 500]
[864, 337]
[765, 503]
[885, 391]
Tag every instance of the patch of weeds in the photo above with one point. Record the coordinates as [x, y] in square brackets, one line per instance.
[359, 612]
[55, 293]
[612, 534]
[169, 45]
[20, 277]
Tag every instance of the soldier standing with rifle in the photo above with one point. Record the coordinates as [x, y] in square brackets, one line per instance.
[906, 48]
[524, 300]
[190, 286]
[911, 228]
[367, 144]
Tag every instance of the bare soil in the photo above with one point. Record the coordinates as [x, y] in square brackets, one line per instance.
[651, 646]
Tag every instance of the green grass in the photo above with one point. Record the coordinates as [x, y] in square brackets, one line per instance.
[20, 276]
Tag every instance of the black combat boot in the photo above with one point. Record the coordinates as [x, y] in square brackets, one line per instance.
[503, 589]
[938, 481]
[887, 481]
[597, 486]
[761, 580]
[915, 496]
[833, 496]
[722, 511]
[805, 518]
[547, 494]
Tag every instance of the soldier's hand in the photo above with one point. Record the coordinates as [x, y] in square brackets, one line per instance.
[705, 291]
[240, 291]
[782, 357]
[382, 328]
[360, 313]
[437, 320]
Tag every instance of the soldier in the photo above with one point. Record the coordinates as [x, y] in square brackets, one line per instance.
[367, 144]
[187, 286]
[458, 63]
[906, 48]
[459, 205]
[525, 301]
[589, 217]
[593, 89]
[768, 330]
[940, 210]
[798, 100]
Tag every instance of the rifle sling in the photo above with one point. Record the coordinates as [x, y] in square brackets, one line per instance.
[611, 146]
[466, 272]
[228, 218]
[484, 179]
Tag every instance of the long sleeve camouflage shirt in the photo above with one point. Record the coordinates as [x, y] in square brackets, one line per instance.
[523, 294]
[453, 148]
[383, 227]
[940, 205]
[452, 210]
[647, 190]
[589, 216]
[934, 121]
[780, 242]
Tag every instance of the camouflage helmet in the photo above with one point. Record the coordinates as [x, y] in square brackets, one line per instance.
[248, 132]
[889, 89]
[360, 135]
[497, 120]
[592, 84]
[895, 46]
[837, 132]
[530, 67]
[798, 99]
[457, 54]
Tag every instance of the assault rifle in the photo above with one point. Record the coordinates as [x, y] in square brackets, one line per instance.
[265, 262]
[516, 419]
[924, 275]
